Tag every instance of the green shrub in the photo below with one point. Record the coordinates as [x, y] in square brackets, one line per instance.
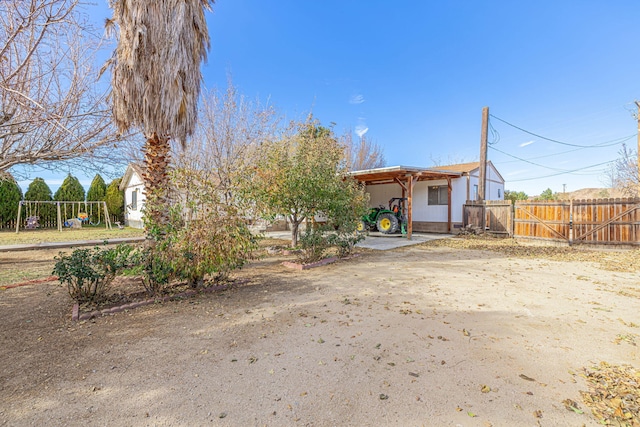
[215, 243]
[89, 272]
[314, 243]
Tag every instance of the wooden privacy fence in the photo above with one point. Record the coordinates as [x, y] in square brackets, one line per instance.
[592, 221]
[495, 216]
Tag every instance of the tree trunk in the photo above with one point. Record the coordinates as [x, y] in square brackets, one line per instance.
[295, 224]
[156, 181]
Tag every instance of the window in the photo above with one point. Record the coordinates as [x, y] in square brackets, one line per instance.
[134, 200]
[438, 195]
[475, 192]
[499, 194]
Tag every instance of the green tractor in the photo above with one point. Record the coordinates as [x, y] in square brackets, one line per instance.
[387, 221]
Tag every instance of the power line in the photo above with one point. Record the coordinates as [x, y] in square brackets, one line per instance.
[526, 161]
[560, 173]
[621, 140]
[603, 144]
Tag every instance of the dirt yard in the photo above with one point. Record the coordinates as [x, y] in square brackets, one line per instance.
[428, 335]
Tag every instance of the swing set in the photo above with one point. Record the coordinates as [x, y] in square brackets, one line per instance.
[75, 214]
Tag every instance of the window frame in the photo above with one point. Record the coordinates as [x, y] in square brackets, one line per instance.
[442, 195]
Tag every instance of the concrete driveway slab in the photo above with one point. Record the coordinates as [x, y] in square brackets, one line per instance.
[384, 242]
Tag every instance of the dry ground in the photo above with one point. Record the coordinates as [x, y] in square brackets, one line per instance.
[425, 335]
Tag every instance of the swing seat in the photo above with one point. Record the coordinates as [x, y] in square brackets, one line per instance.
[32, 222]
[73, 223]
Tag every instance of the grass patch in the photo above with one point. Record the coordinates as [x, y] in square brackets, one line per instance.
[16, 267]
[66, 235]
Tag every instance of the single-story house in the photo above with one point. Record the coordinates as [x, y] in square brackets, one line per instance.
[435, 195]
[133, 186]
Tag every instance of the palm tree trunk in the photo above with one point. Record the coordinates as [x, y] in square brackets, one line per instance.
[156, 181]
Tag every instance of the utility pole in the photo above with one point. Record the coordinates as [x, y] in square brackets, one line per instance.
[482, 180]
[638, 149]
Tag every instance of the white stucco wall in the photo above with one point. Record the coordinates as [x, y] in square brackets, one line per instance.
[462, 189]
[133, 217]
[380, 195]
[495, 186]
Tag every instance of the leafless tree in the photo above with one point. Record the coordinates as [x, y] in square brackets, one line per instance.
[50, 107]
[230, 132]
[622, 174]
[362, 153]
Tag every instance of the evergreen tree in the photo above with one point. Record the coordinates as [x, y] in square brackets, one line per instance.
[96, 193]
[10, 196]
[97, 190]
[115, 199]
[38, 190]
[71, 190]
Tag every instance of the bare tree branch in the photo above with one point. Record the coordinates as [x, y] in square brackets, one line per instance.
[362, 154]
[622, 175]
[230, 131]
[50, 107]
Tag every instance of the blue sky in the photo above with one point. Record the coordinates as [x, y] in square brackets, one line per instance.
[416, 74]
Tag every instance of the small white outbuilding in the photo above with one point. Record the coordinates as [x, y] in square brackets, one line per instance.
[133, 186]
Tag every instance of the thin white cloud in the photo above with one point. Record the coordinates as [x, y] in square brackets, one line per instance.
[356, 99]
[517, 172]
[361, 130]
[524, 144]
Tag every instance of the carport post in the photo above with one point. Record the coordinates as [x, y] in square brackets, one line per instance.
[449, 203]
[409, 207]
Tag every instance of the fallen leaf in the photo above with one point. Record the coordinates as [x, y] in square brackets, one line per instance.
[485, 389]
[471, 414]
[572, 406]
[537, 413]
[383, 396]
[524, 377]
[465, 333]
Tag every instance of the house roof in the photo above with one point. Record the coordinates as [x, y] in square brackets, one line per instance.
[400, 173]
[460, 167]
[397, 173]
[132, 168]
[467, 168]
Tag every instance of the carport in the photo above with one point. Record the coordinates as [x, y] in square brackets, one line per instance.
[406, 177]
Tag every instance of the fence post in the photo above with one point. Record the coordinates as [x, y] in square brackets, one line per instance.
[19, 213]
[59, 215]
[570, 222]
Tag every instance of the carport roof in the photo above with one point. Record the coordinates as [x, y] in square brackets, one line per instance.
[401, 173]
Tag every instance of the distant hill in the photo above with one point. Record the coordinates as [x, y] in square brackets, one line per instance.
[589, 193]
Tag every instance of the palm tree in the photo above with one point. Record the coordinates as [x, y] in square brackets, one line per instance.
[156, 80]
